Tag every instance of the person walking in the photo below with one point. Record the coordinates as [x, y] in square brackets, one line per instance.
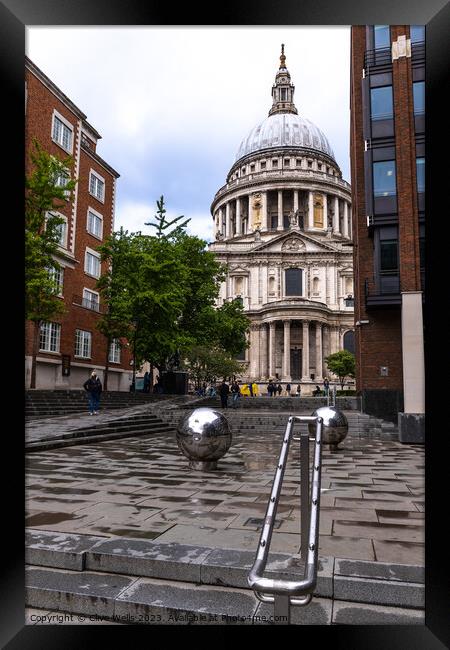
[326, 386]
[224, 390]
[93, 386]
[236, 393]
[288, 390]
[255, 389]
[299, 390]
[250, 388]
[279, 389]
[146, 387]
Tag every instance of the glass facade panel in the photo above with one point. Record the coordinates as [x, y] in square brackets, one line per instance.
[419, 97]
[384, 183]
[420, 172]
[417, 33]
[389, 255]
[381, 103]
[381, 35]
[293, 282]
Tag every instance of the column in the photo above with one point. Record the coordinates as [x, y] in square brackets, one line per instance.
[295, 200]
[326, 349]
[336, 215]
[227, 220]
[305, 352]
[272, 349]
[310, 211]
[238, 217]
[280, 210]
[325, 212]
[345, 233]
[255, 355]
[413, 353]
[263, 352]
[286, 370]
[319, 361]
[264, 224]
[350, 224]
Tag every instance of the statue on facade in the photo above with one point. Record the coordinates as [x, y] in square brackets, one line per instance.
[257, 235]
[294, 218]
[219, 235]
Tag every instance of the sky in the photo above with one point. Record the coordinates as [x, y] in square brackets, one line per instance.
[172, 104]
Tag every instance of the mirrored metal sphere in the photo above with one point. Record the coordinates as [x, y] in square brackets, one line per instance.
[335, 425]
[204, 436]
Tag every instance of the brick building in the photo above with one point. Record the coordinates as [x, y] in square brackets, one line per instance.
[71, 347]
[388, 198]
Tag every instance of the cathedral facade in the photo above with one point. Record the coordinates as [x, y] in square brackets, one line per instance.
[282, 225]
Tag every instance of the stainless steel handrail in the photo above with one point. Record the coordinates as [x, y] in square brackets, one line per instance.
[284, 593]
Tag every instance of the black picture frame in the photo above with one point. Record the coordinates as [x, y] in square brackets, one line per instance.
[435, 14]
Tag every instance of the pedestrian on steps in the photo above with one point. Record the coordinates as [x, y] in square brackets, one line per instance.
[93, 386]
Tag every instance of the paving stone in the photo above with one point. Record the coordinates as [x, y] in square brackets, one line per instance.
[168, 603]
[401, 504]
[375, 530]
[317, 612]
[61, 550]
[145, 558]
[380, 570]
[349, 613]
[351, 547]
[80, 592]
[401, 552]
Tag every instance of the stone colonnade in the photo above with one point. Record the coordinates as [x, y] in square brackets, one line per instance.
[277, 346]
[234, 216]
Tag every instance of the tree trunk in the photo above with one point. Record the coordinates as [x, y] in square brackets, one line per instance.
[150, 387]
[36, 333]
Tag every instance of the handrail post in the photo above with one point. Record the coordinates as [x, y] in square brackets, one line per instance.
[304, 493]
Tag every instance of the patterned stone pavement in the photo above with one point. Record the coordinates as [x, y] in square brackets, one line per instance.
[372, 501]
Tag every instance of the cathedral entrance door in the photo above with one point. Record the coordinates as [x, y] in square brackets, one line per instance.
[296, 363]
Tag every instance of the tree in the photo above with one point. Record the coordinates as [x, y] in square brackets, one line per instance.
[44, 194]
[162, 224]
[342, 364]
[207, 364]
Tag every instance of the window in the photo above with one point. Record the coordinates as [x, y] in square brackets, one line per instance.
[252, 168]
[83, 344]
[389, 255]
[97, 186]
[381, 36]
[287, 162]
[274, 221]
[57, 275]
[319, 165]
[349, 341]
[61, 180]
[283, 94]
[62, 133]
[92, 264]
[381, 107]
[417, 33]
[420, 172]
[90, 300]
[95, 223]
[309, 163]
[419, 97]
[60, 229]
[50, 335]
[298, 162]
[243, 170]
[293, 279]
[274, 164]
[384, 183]
[263, 164]
[114, 351]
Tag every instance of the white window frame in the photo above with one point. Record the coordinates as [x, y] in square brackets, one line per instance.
[53, 273]
[83, 351]
[64, 227]
[96, 175]
[90, 251]
[88, 302]
[114, 351]
[52, 335]
[98, 216]
[67, 179]
[68, 126]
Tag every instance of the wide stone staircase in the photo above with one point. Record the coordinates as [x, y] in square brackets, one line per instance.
[131, 581]
[48, 403]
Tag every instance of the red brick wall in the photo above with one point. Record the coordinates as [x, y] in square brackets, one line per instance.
[379, 343]
[40, 105]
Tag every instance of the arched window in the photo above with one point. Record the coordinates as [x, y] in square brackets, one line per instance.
[349, 341]
[316, 285]
[272, 286]
[293, 278]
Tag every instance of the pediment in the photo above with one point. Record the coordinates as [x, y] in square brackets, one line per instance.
[294, 241]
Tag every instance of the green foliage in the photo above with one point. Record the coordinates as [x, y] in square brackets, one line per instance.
[209, 364]
[341, 364]
[42, 232]
[162, 224]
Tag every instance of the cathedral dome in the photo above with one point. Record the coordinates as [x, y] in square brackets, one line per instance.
[284, 130]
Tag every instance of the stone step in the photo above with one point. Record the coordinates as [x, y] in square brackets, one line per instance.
[88, 575]
[81, 439]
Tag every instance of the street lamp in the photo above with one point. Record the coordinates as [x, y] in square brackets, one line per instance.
[133, 383]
